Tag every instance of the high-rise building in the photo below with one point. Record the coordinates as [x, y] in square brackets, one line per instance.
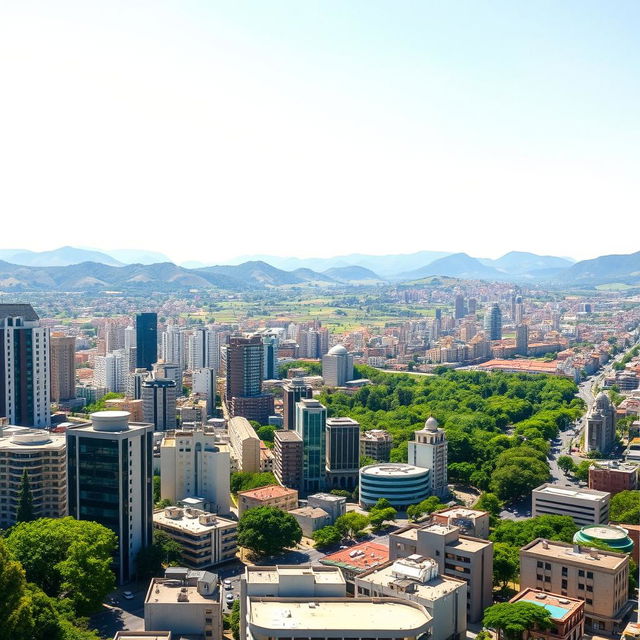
[24, 367]
[195, 464]
[519, 310]
[600, 432]
[159, 403]
[460, 307]
[429, 450]
[173, 345]
[134, 383]
[473, 306]
[337, 367]
[493, 322]
[522, 339]
[293, 392]
[43, 456]
[288, 454]
[203, 349]
[270, 358]
[203, 382]
[110, 371]
[311, 423]
[110, 467]
[343, 453]
[146, 340]
[63, 367]
[171, 371]
[130, 337]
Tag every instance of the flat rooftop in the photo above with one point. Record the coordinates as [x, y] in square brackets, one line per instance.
[143, 635]
[268, 493]
[391, 469]
[271, 575]
[187, 523]
[460, 512]
[378, 616]
[360, 557]
[578, 494]
[310, 512]
[560, 607]
[166, 590]
[565, 552]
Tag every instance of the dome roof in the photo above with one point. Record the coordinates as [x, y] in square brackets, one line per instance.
[431, 424]
[602, 401]
[338, 350]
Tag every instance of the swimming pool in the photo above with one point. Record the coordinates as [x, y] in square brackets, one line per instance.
[555, 611]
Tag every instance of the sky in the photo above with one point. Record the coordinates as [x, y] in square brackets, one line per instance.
[207, 129]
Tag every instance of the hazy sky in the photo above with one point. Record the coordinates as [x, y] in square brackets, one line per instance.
[209, 129]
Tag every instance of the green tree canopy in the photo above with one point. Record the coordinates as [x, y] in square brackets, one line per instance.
[567, 464]
[506, 564]
[518, 533]
[489, 502]
[25, 500]
[164, 552]
[245, 480]
[352, 524]
[326, 537]
[511, 620]
[268, 530]
[625, 507]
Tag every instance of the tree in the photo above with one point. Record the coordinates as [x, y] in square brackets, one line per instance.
[352, 524]
[567, 464]
[518, 533]
[625, 507]
[234, 620]
[25, 500]
[512, 619]
[164, 552]
[506, 564]
[245, 480]
[378, 517]
[266, 433]
[67, 557]
[581, 471]
[489, 502]
[326, 537]
[431, 504]
[268, 530]
[156, 489]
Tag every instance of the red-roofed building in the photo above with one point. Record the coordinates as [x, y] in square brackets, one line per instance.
[357, 559]
[272, 495]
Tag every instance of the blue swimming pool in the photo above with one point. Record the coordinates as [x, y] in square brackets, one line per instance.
[555, 611]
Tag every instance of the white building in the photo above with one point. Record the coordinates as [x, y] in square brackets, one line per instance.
[585, 506]
[194, 464]
[245, 445]
[172, 346]
[24, 367]
[111, 371]
[203, 349]
[337, 366]
[429, 450]
[203, 382]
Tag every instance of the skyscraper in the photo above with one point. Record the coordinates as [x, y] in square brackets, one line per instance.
[146, 340]
[293, 392]
[493, 322]
[522, 339]
[203, 349]
[63, 367]
[337, 366]
[429, 450]
[110, 371]
[311, 424]
[173, 346]
[24, 367]
[203, 382]
[460, 310]
[288, 456]
[343, 453]
[110, 471]
[159, 403]
[270, 358]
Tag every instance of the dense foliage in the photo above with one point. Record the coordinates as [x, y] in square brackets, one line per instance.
[245, 480]
[164, 552]
[484, 416]
[312, 368]
[625, 507]
[268, 530]
[511, 620]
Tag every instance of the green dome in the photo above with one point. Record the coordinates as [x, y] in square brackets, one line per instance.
[612, 536]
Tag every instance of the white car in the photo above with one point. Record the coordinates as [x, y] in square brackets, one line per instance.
[128, 595]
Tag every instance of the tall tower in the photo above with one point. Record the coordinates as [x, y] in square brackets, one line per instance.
[600, 432]
[159, 403]
[109, 473]
[63, 367]
[146, 340]
[493, 322]
[522, 339]
[203, 349]
[203, 382]
[429, 450]
[459, 307]
[311, 424]
[294, 392]
[24, 367]
[343, 453]
[337, 366]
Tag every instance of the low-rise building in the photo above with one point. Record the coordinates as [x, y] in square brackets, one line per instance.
[417, 579]
[471, 522]
[335, 506]
[612, 476]
[206, 539]
[357, 559]
[585, 506]
[266, 459]
[272, 495]
[401, 484]
[600, 578]
[567, 614]
[310, 519]
[184, 602]
[245, 445]
[376, 444]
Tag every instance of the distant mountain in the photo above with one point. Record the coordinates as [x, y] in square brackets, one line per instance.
[457, 265]
[309, 275]
[137, 256]
[522, 262]
[624, 268]
[354, 274]
[255, 271]
[61, 257]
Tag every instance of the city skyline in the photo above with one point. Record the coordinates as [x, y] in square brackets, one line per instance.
[475, 121]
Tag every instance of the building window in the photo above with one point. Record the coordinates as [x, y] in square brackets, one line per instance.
[564, 571]
[581, 573]
[580, 587]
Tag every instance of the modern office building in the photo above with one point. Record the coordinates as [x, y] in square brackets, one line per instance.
[203, 382]
[585, 506]
[337, 366]
[417, 579]
[600, 578]
[459, 307]
[146, 340]
[458, 556]
[311, 423]
[471, 522]
[169, 371]
[272, 495]
[244, 444]
[600, 432]
[493, 322]
[195, 464]
[134, 383]
[522, 339]
[24, 367]
[63, 367]
[293, 392]
[376, 444]
[185, 602]
[43, 456]
[401, 484]
[206, 539]
[270, 358]
[159, 403]
[613, 476]
[288, 455]
[109, 472]
[429, 450]
[343, 453]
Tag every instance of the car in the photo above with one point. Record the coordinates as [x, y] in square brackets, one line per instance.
[227, 585]
[128, 595]
[229, 597]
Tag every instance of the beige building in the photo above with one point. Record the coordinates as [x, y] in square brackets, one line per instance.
[63, 367]
[585, 506]
[376, 444]
[417, 579]
[184, 602]
[44, 457]
[134, 407]
[600, 578]
[471, 522]
[272, 495]
[245, 445]
[310, 602]
[195, 464]
[458, 556]
[192, 411]
[310, 519]
[206, 538]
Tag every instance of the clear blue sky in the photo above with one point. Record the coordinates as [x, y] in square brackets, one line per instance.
[319, 128]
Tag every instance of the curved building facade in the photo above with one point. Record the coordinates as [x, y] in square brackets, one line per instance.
[615, 537]
[401, 484]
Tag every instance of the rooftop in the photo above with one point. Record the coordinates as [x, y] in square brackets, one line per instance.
[268, 493]
[14, 438]
[379, 616]
[310, 512]
[566, 552]
[359, 557]
[398, 469]
[189, 519]
[520, 365]
[164, 591]
[560, 607]
[143, 635]
[25, 311]
[271, 575]
[580, 494]
[286, 435]
[460, 512]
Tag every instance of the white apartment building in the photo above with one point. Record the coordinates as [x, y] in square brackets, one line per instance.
[203, 349]
[429, 450]
[245, 445]
[172, 346]
[203, 382]
[44, 457]
[195, 464]
[111, 371]
[585, 506]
